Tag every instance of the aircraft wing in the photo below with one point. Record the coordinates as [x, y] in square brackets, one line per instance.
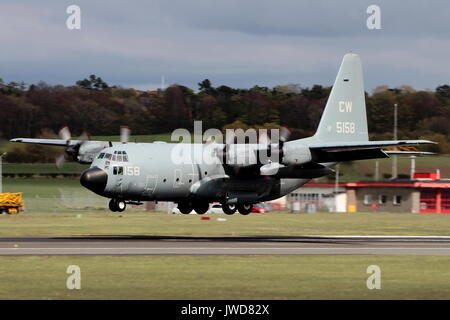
[48, 142]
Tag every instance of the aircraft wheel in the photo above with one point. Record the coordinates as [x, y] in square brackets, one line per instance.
[245, 209]
[201, 207]
[113, 205]
[228, 208]
[184, 207]
[121, 205]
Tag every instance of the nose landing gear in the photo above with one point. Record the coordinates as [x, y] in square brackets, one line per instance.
[116, 205]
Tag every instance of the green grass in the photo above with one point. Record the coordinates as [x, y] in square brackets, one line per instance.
[276, 224]
[54, 195]
[226, 277]
[43, 168]
[64, 207]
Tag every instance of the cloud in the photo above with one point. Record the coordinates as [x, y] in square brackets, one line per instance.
[236, 43]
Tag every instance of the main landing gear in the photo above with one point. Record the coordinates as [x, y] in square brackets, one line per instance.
[200, 207]
[116, 205]
[243, 209]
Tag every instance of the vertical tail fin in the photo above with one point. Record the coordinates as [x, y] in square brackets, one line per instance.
[344, 117]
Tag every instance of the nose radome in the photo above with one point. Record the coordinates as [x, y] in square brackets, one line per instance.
[94, 179]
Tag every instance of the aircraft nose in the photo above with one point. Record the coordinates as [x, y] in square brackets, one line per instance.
[94, 179]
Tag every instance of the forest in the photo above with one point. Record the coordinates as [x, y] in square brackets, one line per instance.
[91, 105]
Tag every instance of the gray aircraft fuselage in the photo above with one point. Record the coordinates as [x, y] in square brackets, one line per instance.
[151, 174]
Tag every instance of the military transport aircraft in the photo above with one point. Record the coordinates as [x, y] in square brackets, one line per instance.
[129, 173]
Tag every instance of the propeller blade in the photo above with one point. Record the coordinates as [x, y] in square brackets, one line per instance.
[264, 138]
[124, 134]
[284, 134]
[59, 161]
[84, 137]
[64, 133]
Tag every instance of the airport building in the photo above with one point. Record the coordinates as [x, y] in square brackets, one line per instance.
[425, 193]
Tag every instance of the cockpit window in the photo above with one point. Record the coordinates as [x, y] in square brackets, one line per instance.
[119, 156]
[101, 155]
[118, 171]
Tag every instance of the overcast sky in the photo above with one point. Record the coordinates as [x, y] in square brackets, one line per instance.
[239, 43]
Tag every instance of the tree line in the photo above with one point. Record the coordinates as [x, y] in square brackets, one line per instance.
[99, 109]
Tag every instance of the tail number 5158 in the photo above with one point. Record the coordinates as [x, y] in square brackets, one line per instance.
[345, 127]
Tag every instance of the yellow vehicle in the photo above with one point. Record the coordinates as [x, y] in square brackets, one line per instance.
[11, 202]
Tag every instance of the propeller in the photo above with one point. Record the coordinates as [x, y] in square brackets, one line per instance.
[72, 151]
[272, 168]
[124, 134]
[264, 141]
[283, 136]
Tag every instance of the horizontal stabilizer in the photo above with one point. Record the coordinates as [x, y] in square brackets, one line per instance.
[349, 146]
[408, 153]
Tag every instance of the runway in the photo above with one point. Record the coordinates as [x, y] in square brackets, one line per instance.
[261, 245]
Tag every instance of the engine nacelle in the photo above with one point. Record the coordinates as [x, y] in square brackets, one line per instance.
[88, 150]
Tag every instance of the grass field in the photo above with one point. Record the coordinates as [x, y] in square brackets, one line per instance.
[63, 207]
[226, 277]
[276, 223]
[54, 195]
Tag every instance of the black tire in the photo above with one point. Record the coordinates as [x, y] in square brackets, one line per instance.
[112, 205]
[228, 209]
[201, 207]
[245, 209]
[184, 207]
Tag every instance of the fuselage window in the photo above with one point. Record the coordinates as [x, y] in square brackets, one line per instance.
[108, 156]
[119, 158]
[113, 157]
[125, 158]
